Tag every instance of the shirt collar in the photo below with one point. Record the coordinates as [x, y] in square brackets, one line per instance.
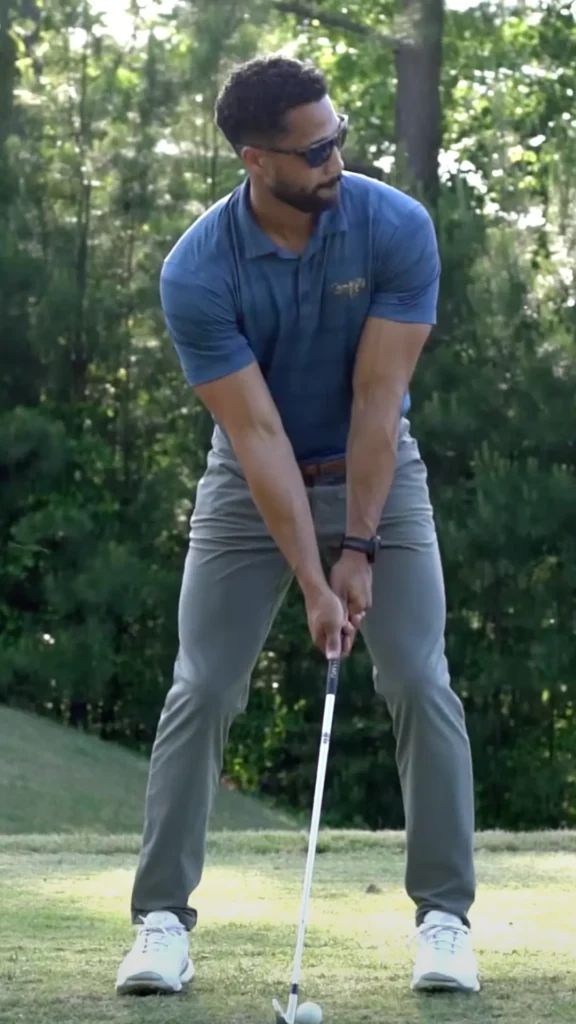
[258, 243]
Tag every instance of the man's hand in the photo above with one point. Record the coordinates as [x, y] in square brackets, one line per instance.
[351, 581]
[328, 622]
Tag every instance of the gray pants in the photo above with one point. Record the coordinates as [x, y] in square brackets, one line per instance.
[234, 582]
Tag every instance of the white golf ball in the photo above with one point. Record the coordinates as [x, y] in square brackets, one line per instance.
[309, 1013]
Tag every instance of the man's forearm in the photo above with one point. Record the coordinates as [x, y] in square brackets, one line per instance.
[279, 492]
[371, 460]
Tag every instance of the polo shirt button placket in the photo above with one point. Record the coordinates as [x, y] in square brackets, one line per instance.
[304, 292]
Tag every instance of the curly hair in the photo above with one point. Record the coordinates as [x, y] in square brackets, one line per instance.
[257, 95]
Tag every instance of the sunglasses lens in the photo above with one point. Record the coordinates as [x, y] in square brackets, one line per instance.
[318, 155]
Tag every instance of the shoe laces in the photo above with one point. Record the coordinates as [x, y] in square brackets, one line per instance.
[445, 938]
[155, 938]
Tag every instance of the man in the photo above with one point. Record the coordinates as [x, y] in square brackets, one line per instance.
[299, 306]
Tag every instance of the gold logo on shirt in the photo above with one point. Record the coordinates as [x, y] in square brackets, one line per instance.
[350, 288]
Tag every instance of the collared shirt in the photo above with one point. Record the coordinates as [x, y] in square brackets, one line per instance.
[230, 296]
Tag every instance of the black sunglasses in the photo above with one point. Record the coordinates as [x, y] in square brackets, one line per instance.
[319, 152]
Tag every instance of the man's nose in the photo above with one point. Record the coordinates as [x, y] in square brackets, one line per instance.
[335, 165]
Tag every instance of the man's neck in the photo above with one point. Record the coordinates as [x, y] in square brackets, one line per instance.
[286, 226]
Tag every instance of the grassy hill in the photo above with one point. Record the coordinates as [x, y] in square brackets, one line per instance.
[58, 780]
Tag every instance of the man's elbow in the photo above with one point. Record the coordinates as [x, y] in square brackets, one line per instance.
[242, 404]
[374, 395]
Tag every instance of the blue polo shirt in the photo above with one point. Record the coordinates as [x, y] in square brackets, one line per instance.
[230, 296]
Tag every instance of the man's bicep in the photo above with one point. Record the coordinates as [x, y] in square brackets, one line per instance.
[407, 275]
[202, 326]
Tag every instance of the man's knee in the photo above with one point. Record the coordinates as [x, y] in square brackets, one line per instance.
[412, 676]
[201, 688]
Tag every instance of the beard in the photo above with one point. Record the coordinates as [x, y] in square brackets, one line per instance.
[315, 201]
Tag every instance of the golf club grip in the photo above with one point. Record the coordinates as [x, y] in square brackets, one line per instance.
[333, 676]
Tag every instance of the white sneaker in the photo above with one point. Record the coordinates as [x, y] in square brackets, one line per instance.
[159, 960]
[445, 958]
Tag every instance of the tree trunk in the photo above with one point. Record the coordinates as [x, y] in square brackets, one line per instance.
[79, 355]
[417, 44]
[418, 57]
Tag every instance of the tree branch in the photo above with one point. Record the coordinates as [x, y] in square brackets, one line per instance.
[331, 19]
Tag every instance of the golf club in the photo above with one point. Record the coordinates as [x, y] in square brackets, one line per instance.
[331, 688]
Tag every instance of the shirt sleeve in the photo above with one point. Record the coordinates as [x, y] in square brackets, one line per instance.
[407, 274]
[202, 324]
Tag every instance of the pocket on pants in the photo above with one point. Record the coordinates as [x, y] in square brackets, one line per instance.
[408, 517]
[224, 509]
[407, 445]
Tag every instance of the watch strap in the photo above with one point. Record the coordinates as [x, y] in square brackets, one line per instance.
[362, 545]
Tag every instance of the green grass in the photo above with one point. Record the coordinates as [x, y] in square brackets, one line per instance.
[70, 825]
[54, 779]
[64, 928]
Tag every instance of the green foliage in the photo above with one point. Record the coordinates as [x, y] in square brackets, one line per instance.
[107, 152]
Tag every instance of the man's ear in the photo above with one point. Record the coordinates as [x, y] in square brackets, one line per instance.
[253, 158]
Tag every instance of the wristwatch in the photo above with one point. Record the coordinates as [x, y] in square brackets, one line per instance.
[365, 547]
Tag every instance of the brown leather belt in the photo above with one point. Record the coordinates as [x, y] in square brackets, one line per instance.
[314, 471]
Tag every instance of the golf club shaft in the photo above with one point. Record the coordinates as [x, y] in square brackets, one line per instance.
[331, 689]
